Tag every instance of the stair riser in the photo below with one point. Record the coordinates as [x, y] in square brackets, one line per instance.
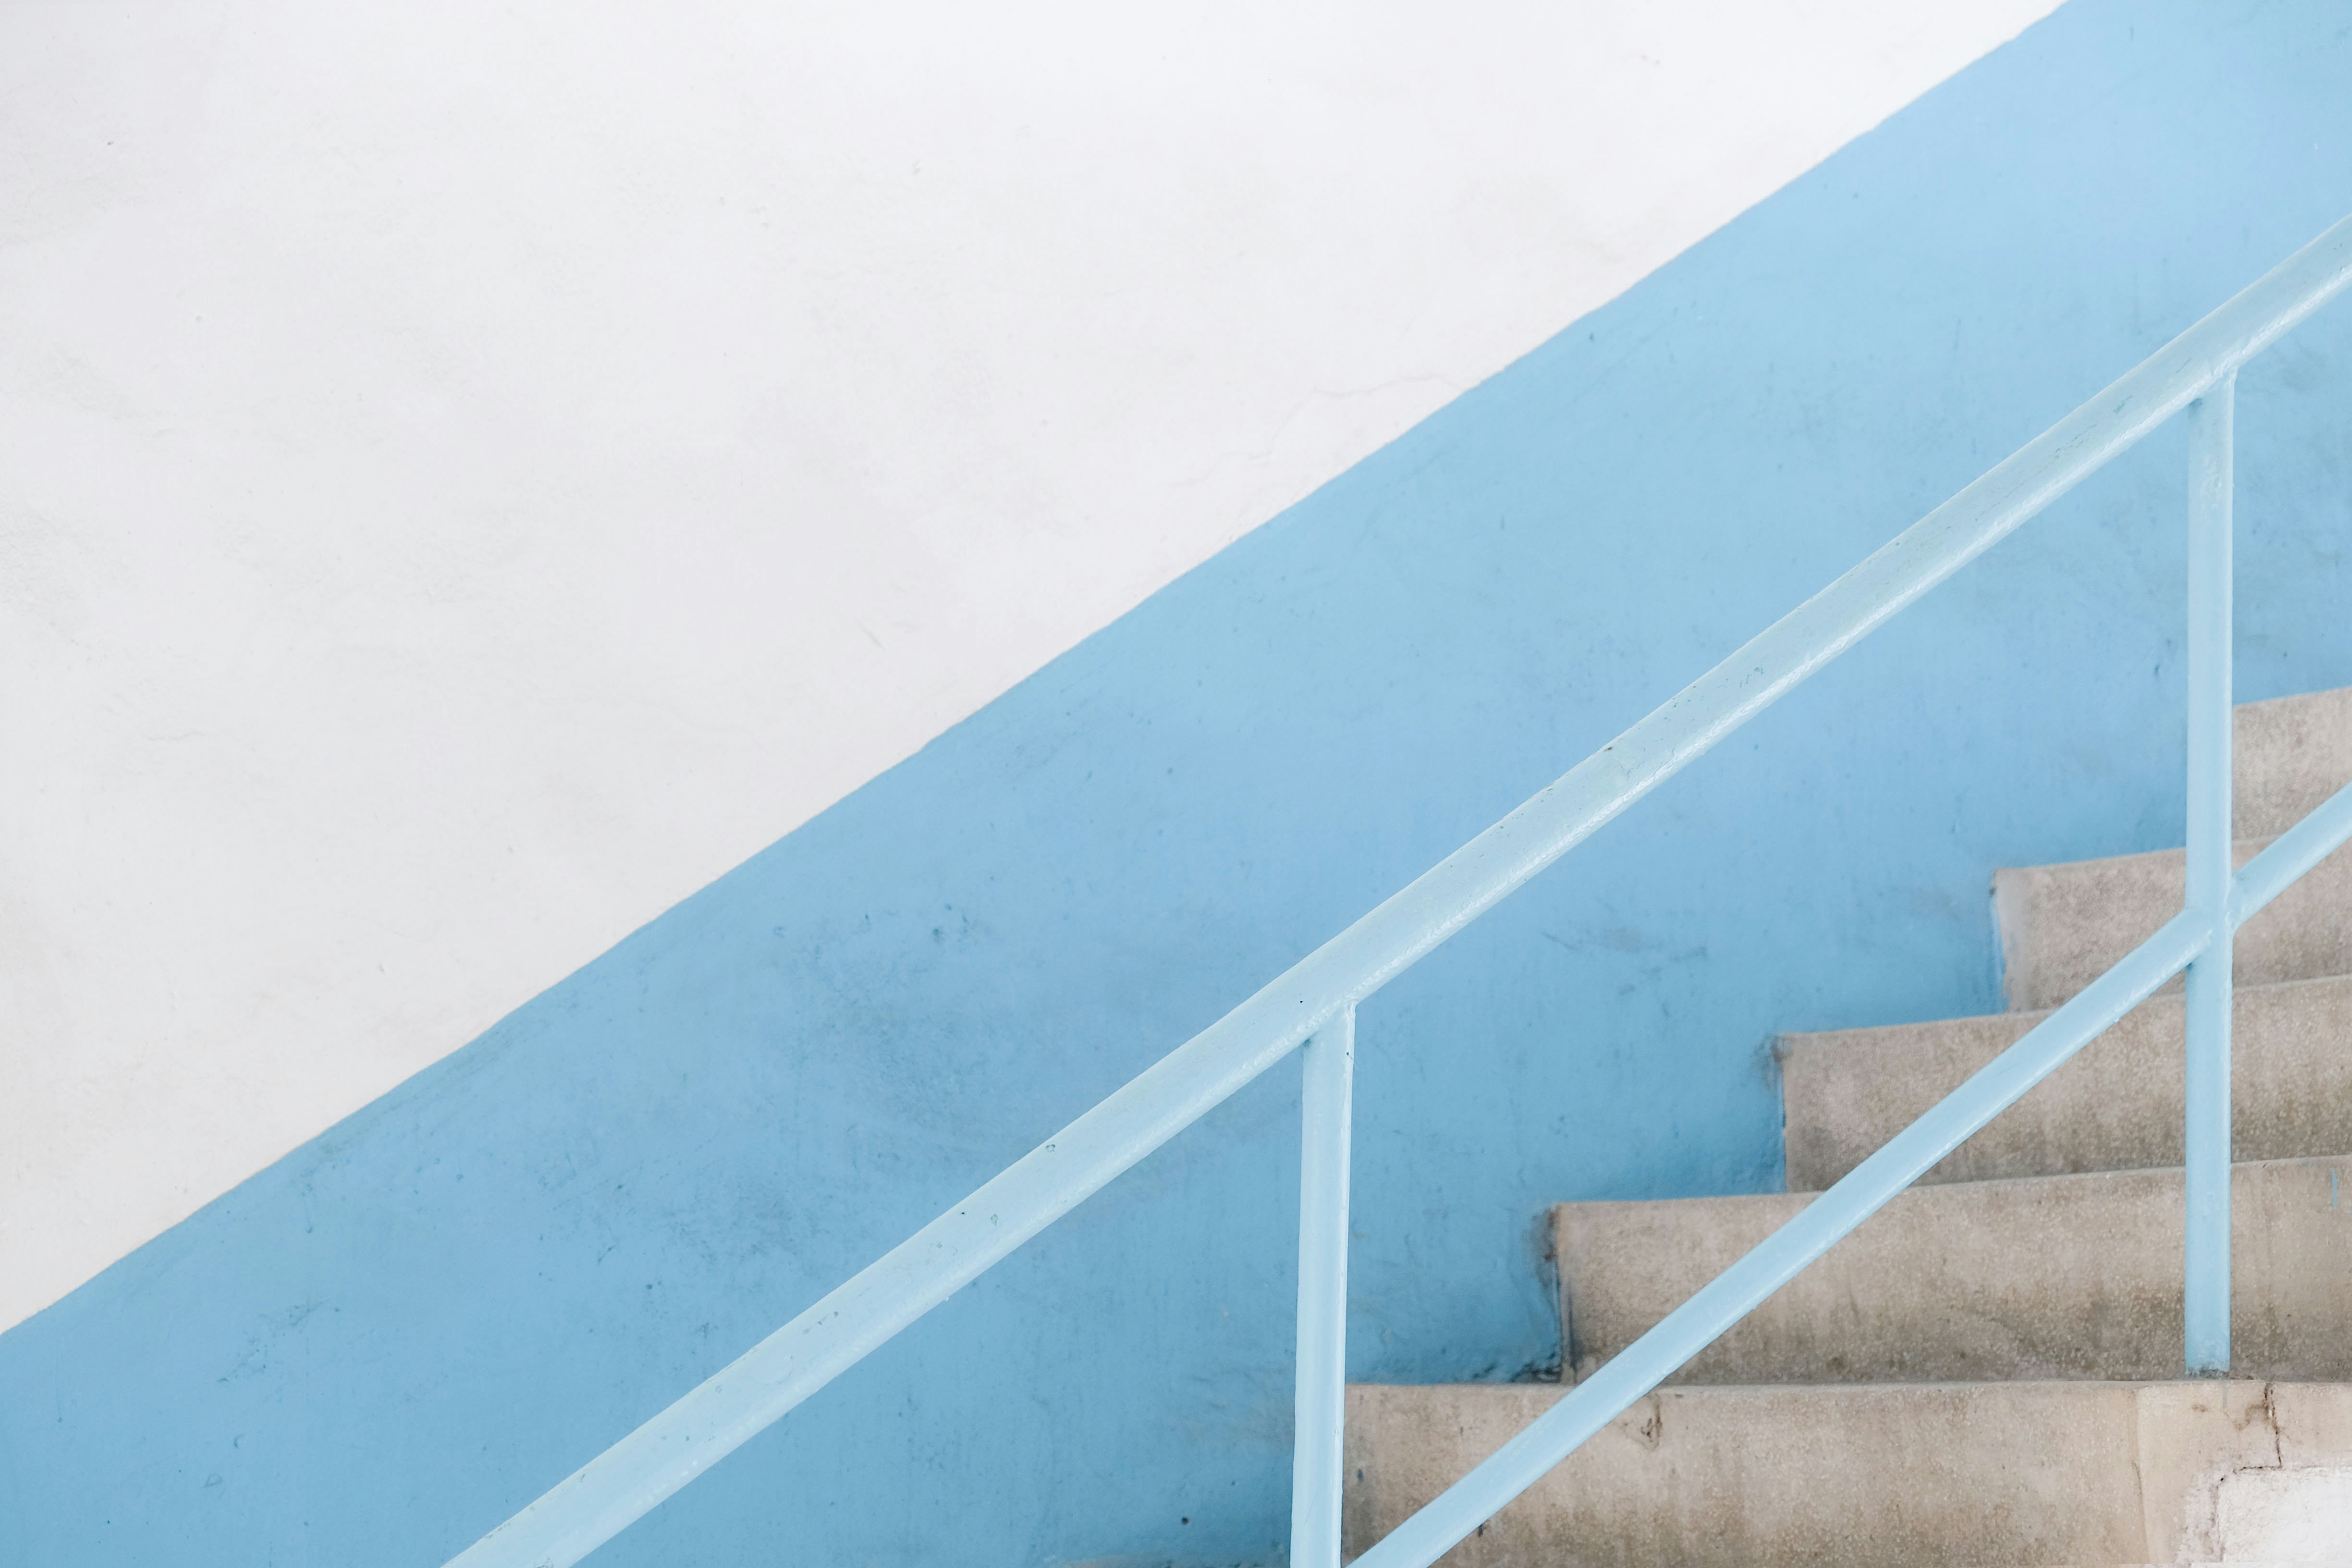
[2073, 1277]
[2064, 926]
[2291, 753]
[1862, 1478]
[2117, 1106]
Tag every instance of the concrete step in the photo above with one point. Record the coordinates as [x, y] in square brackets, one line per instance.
[2072, 1272]
[2043, 1276]
[2291, 753]
[2116, 1107]
[2064, 926]
[1886, 1476]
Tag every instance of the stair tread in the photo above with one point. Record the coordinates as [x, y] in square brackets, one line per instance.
[1986, 1371]
[1875, 1475]
[2068, 1276]
[2117, 1106]
[2062, 926]
[2291, 753]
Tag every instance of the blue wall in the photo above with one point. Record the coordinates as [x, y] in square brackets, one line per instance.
[379, 1347]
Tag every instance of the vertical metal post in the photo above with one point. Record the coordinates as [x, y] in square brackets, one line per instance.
[1315, 1463]
[2206, 1290]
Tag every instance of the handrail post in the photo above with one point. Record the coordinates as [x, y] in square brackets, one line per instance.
[1318, 1458]
[2205, 1302]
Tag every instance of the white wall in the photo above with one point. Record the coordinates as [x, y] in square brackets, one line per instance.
[472, 475]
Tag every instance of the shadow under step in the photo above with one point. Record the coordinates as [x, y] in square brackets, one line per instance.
[2046, 1276]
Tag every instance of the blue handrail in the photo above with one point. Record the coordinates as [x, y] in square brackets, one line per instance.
[1316, 997]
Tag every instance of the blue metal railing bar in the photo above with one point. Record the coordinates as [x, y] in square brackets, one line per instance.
[1861, 1193]
[1322, 1397]
[2205, 1251]
[709, 1421]
[2284, 859]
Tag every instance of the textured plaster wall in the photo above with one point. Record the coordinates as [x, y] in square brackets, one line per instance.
[473, 474]
[383, 1343]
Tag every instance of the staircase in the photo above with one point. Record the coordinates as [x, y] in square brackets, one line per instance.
[1988, 1371]
[1920, 1397]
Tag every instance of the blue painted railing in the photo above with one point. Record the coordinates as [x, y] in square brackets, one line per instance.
[1314, 1004]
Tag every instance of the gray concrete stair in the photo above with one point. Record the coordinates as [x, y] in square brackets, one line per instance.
[2291, 753]
[1867, 1476]
[2117, 1106]
[2044, 1277]
[1975, 1375]
[2064, 926]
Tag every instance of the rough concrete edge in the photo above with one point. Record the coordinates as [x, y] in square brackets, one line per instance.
[2012, 903]
[2192, 1437]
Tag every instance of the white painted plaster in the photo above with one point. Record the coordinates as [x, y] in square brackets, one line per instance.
[472, 474]
[2298, 1514]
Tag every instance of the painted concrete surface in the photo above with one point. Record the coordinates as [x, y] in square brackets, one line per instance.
[474, 476]
[383, 1345]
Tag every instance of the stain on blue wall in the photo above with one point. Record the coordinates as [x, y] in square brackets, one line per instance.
[377, 1348]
